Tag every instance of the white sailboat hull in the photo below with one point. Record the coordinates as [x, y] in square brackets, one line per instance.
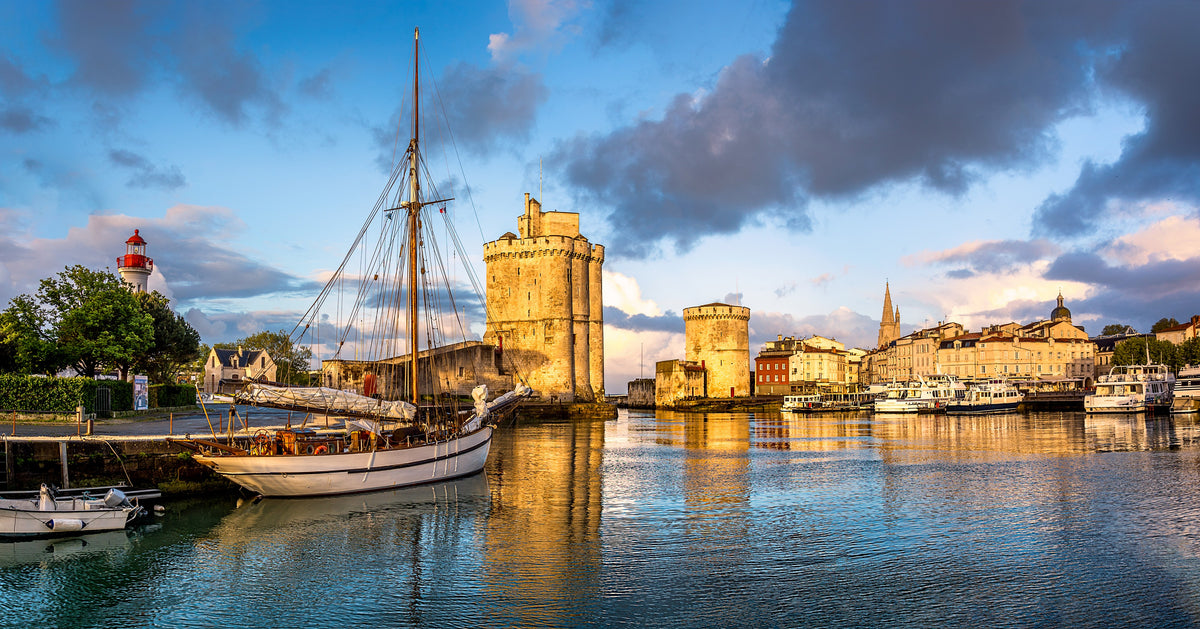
[345, 473]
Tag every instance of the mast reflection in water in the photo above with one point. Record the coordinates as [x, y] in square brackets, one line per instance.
[674, 519]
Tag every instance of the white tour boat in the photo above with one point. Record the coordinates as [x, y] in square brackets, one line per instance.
[995, 395]
[392, 443]
[921, 395]
[1132, 389]
[800, 403]
[1187, 391]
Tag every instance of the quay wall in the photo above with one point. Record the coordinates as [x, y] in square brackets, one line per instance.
[96, 461]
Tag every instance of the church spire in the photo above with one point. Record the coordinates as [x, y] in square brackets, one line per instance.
[887, 304]
[889, 325]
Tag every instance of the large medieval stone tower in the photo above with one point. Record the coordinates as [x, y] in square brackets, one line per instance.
[889, 325]
[718, 335]
[545, 310]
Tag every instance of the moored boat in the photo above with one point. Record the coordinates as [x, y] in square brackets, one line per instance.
[1187, 391]
[1132, 389]
[921, 395]
[995, 395]
[48, 514]
[800, 403]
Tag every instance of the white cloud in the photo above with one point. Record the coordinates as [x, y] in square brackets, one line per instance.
[536, 24]
[1173, 238]
[629, 355]
[623, 293]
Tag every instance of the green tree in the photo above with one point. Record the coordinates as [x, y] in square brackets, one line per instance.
[1188, 352]
[291, 361]
[175, 345]
[97, 323]
[1163, 324]
[1116, 328]
[1134, 351]
[26, 340]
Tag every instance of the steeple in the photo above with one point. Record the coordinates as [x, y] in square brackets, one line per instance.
[889, 325]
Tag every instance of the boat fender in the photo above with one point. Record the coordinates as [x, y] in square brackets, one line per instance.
[321, 450]
[65, 524]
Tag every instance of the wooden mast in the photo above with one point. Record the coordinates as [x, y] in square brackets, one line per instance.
[414, 224]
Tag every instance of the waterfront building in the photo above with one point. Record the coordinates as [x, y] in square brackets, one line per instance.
[676, 380]
[545, 310]
[979, 356]
[717, 337]
[135, 267]
[227, 370]
[817, 364]
[1179, 333]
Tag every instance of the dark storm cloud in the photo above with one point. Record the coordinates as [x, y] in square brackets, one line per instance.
[617, 318]
[1155, 63]
[145, 174]
[851, 99]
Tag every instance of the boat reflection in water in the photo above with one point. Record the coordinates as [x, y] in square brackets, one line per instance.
[258, 515]
[53, 549]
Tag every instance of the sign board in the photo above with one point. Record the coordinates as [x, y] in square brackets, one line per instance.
[141, 393]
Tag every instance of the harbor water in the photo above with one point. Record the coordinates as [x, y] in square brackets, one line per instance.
[683, 520]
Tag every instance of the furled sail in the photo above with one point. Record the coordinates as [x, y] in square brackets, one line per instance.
[326, 399]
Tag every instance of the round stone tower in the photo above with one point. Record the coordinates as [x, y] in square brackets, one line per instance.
[718, 336]
[134, 266]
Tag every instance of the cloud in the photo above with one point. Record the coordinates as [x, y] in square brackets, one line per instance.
[486, 105]
[1153, 62]
[843, 325]
[667, 322]
[109, 42]
[20, 119]
[537, 24]
[992, 256]
[623, 293]
[938, 93]
[187, 245]
[145, 174]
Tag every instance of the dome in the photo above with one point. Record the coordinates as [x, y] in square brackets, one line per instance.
[135, 239]
[1060, 312]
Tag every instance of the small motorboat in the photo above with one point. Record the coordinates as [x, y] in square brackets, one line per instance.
[47, 514]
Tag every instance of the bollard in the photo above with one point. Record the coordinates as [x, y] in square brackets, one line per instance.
[90, 425]
[171, 424]
[78, 418]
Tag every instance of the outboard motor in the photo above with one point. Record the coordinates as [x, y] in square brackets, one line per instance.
[116, 498]
[46, 499]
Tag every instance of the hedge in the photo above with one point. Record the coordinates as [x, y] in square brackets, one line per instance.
[167, 395]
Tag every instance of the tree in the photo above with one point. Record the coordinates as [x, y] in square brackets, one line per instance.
[1134, 351]
[175, 345]
[1188, 352]
[1117, 328]
[292, 362]
[26, 341]
[1163, 324]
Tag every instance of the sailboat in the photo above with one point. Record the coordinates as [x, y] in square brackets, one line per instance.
[387, 443]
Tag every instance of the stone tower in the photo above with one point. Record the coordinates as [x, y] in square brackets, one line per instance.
[545, 309]
[718, 336]
[134, 267]
[889, 325]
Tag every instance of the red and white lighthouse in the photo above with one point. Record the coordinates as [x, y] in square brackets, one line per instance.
[134, 266]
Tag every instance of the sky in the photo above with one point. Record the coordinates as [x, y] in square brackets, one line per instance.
[978, 158]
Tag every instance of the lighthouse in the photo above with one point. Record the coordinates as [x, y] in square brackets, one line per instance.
[134, 266]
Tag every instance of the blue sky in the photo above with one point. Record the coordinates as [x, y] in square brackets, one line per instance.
[979, 157]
